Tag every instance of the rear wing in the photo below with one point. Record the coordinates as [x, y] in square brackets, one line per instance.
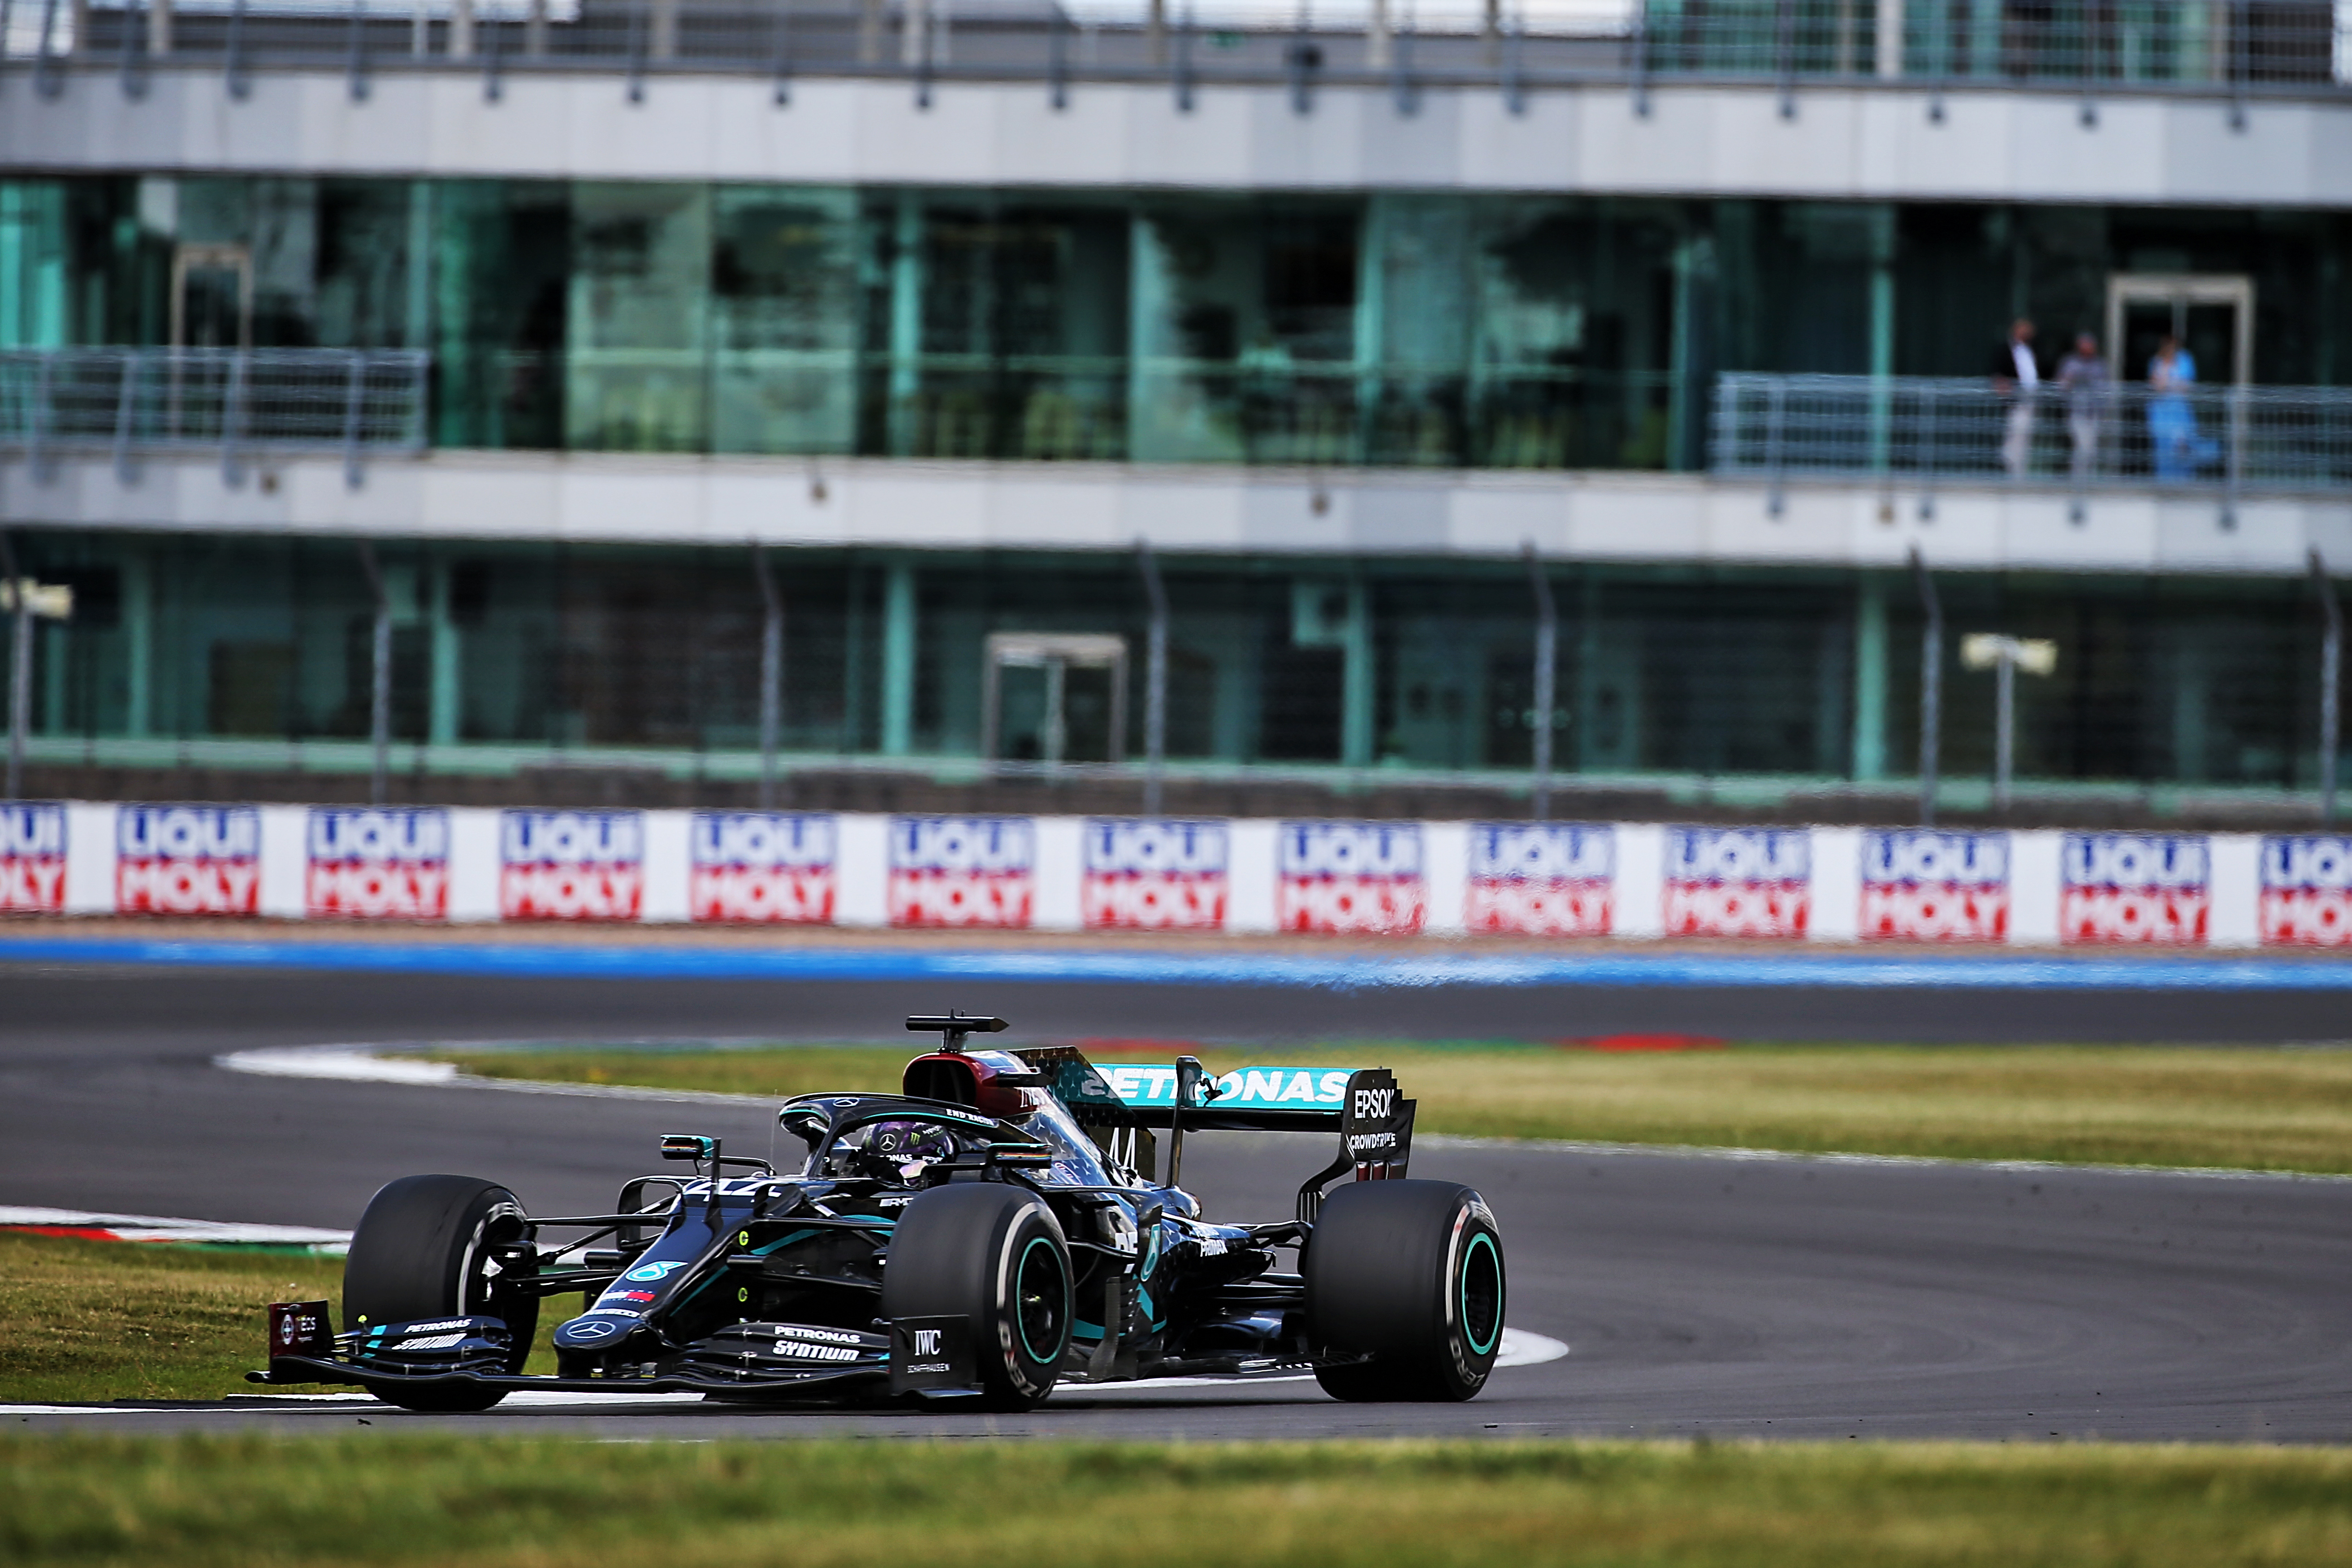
[1363, 1106]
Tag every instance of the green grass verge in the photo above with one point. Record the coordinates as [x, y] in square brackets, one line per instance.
[2259, 1108]
[89, 1320]
[390, 1499]
[114, 1320]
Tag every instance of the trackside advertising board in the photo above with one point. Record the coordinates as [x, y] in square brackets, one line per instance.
[1738, 881]
[762, 867]
[32, 858]
[1924, 886]
[2134, 887]
[377, 865]
[2306, 898]
[1540, 878]
[571, 864]
[1154, 875]
[962, 871]
[2019, 887]
[187, 860]
[1350, 876]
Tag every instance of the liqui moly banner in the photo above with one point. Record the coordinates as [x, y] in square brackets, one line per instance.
[1546, 878]
[378, 864]
[2306, 898]
[1738, 881]
[1145, 875]
[32, 858]
[762, 865]
[962, 871]
[1340, 877]
[572, 865]
[187, 860]
[2133, 888]
[1923, 886]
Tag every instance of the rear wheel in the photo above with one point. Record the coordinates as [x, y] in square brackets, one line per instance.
[426, 1248]
[995, 1254]
[1405, 1290]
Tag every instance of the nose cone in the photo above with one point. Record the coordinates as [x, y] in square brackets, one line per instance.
[595, 1330]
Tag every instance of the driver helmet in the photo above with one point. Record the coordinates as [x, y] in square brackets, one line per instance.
[910, 1146]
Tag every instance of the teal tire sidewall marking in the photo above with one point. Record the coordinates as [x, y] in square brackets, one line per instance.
[1020, 1321]
[1477, 1240]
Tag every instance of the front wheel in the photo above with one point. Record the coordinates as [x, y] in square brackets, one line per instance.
[994, 1254]
[426, 1248]
[1405, 1292]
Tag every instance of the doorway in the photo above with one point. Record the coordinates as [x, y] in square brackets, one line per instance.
[2211, 314]
[1052, 698]
[212, 297]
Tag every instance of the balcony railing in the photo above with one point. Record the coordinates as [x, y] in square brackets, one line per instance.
[1928, 431]
[2233, 48]
[238, 401]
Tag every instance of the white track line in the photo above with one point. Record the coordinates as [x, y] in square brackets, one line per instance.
[155, 1227]
[1519, 1348]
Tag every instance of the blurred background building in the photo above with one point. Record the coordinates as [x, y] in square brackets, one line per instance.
[630, 359]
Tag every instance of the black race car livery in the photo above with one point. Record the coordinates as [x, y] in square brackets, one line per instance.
[996, 1229]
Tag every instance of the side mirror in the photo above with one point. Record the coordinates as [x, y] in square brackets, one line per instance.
[808, 1126]
[688, 1146]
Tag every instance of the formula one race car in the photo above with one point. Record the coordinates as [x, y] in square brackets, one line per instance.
[990, 1231]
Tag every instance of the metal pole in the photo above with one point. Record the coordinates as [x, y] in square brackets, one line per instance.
[1931, 688]
[1547, 651]
[232, 419]
[20, 666]
[380, 681]
[239, 84]
[2004, 728]
[771, 674]
[126, 405]
[1155, 678]
[356, 79]
[2331, 665]
[354, 400]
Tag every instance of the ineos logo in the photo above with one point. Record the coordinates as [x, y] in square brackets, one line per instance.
[927, 1341]
[1374, 1104]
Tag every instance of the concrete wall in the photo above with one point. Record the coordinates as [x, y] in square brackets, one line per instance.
[900, 504]
[1851, 142]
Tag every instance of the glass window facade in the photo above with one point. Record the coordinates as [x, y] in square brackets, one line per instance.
[513, 656]
[1404, 329]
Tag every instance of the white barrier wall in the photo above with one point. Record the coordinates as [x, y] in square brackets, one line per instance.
[1631, 880]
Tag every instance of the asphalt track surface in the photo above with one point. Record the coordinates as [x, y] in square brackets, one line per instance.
[1787, 1297]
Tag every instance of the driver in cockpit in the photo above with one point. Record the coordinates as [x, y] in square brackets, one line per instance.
[899, 1152]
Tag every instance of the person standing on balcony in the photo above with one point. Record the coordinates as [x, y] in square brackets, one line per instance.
[2179, 450]
[2017, 376]
[2084, 376]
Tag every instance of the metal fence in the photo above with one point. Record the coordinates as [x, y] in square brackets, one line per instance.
[2146, 42]
[1929, 430]
[1512, 46]
[356, 401]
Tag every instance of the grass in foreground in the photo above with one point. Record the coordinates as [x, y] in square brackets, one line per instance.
[2264, 1110]
[393, 1498]
[89, 1321]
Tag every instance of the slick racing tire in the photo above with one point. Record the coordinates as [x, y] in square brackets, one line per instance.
[994, 1254]
[422, 1251]
[1408, 1277]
